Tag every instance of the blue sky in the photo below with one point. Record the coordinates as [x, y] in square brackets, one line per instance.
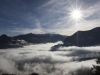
[47, 16]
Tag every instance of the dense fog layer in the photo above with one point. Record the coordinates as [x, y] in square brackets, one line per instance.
[37, 58]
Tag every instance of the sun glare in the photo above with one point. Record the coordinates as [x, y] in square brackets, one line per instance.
[76, 14]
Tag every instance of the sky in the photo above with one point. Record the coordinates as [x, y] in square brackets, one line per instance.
[47, 16]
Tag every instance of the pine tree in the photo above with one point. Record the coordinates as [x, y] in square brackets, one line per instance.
[96, 68]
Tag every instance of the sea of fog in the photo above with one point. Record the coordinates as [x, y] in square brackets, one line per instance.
[39, 59]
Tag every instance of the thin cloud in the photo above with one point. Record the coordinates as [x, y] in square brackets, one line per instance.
[65, 27]
[28, 30]
[53, 17]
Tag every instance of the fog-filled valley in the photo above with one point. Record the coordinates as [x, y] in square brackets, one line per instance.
[39, 59]
[49, 37]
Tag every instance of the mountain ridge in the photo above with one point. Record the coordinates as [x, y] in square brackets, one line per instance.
[21, 40]
[84, 38]
[81, 39]
[40, 38]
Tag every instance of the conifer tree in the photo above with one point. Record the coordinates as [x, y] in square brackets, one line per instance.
[96, 68]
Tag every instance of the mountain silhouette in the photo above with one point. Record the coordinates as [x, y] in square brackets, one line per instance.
[81, 39]
[21, 40]
[10, 42]
[40, 38]
[84, 38]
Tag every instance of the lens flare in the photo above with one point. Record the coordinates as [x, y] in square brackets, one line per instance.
[76, 14]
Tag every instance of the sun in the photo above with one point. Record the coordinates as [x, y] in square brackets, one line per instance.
[76, 14]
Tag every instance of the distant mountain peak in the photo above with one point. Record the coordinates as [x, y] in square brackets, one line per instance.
[84, 38]
[4, 35]
[21, 40]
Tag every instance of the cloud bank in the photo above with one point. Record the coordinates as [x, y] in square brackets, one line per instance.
[38, 59]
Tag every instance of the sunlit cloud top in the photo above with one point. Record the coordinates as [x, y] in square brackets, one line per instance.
[48, 16]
